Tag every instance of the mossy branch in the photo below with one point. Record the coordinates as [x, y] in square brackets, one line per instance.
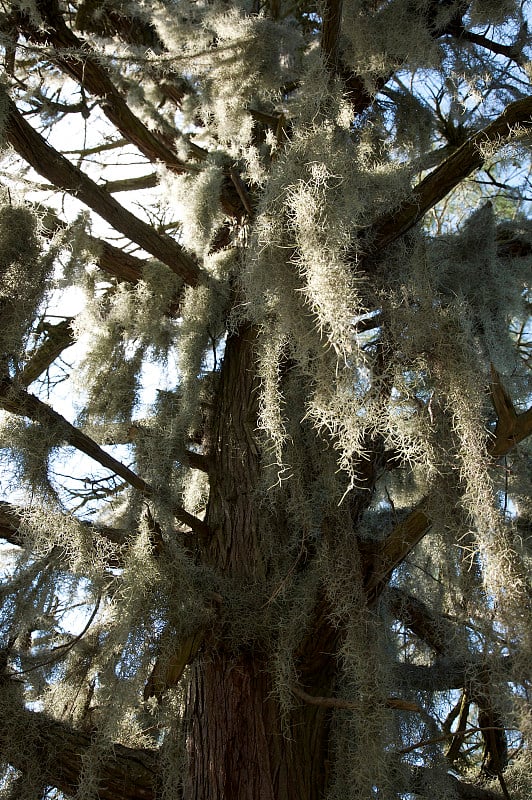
[17, 401]
[11, 522]
[130, 774]
[74, 56]
[465, 160]
[58, 338]
[511, 429]
[49, 163]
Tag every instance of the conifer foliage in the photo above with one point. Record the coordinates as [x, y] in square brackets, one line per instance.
[265, 400]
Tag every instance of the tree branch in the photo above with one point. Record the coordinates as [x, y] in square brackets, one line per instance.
[349, 705]
[511, 428]
[423, 777]
[11, 522]
[434, 629]
[132, 184]
[510, 51]
[74, 56]
[330, 36]
[31, 146]
[58, 749]
[465, 160]
[451, 673]
[58, 338]
[17, 401]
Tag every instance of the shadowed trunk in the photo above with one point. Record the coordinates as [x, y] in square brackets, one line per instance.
[238, 747]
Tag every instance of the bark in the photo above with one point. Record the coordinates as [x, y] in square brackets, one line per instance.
[237, 746]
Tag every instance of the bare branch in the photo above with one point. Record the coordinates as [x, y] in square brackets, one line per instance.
[511, 427]
[132, 184]
[349, 705]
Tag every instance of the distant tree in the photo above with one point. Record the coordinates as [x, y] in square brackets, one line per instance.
[265, 353]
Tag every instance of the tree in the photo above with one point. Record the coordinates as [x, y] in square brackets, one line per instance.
[265, 497]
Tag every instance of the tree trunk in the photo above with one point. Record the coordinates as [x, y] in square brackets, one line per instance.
[237, 745]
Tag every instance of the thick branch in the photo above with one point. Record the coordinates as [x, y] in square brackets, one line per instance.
[58, 338]
[399, 543]
[74, 56]
[58, 749]
[330, 37]
[450, 173]
[31, 146]
[451, 673]
[17, 401]
[434, 629]
[422, 779]
[511, 427]
[11, 523]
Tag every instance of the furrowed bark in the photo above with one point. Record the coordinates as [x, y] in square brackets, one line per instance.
[237, 747]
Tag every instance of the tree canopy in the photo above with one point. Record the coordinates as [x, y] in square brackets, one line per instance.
[265, 400]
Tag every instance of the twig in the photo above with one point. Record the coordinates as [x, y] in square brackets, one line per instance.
[350, 705]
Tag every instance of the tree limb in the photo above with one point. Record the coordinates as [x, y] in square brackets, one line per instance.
[17, 401]
[11, 522]
[511, 428]
[330, 35]
[465, 160]
[350, 705]
[58, 338]
[434, 629]
[422, 778]
[127, 774]
[74, 56]
[451, 673]
[49, 163]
